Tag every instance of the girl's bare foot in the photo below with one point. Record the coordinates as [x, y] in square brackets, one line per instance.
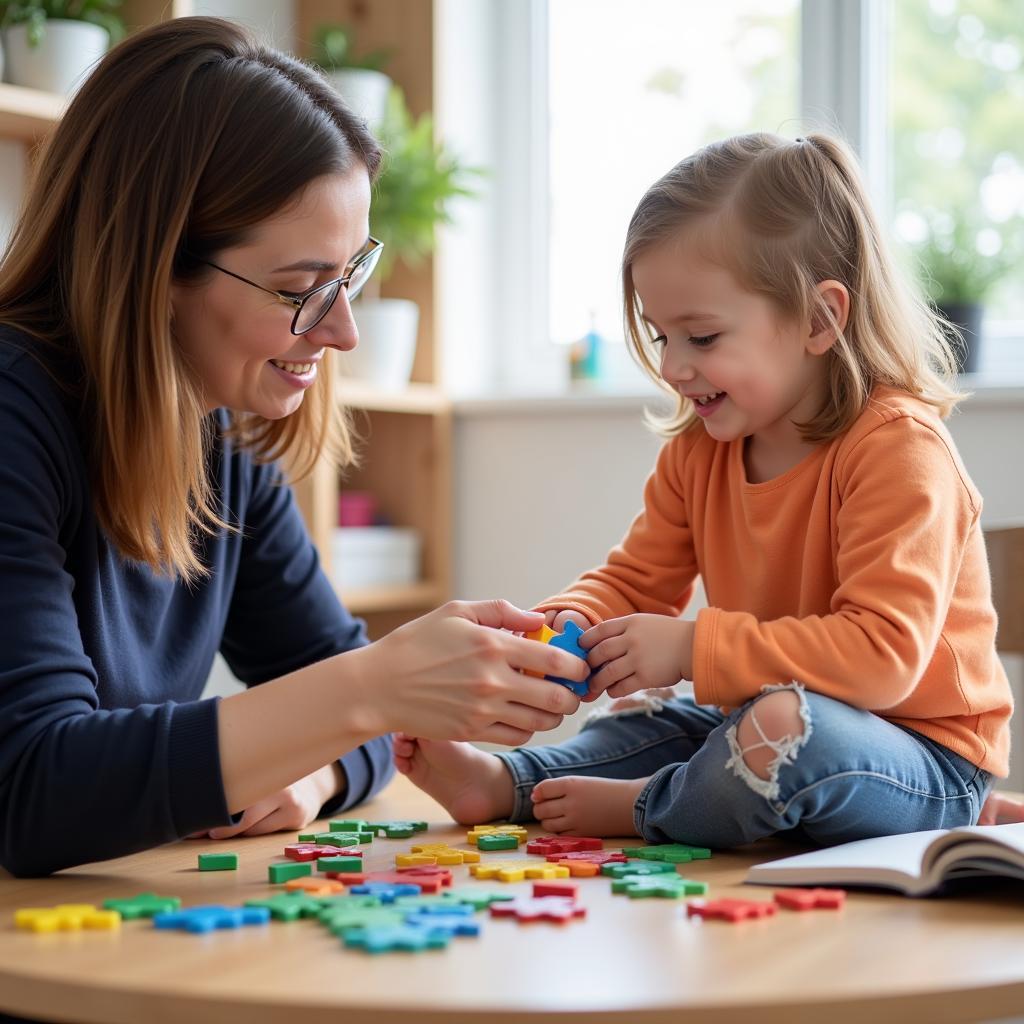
[584, 806]
[472, 785]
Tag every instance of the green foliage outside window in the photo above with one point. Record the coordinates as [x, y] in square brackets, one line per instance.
[34, 13]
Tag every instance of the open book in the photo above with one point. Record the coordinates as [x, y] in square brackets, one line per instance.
[916, 863]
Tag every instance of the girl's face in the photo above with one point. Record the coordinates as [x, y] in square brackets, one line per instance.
[237, 339]
[747, 370]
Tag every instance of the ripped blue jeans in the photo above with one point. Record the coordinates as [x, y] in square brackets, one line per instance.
[849, 775]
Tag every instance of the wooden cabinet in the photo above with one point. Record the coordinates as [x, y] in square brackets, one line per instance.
[407, 436]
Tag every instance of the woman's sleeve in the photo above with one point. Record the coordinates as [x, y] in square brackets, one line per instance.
[77, 783]
[284, 615]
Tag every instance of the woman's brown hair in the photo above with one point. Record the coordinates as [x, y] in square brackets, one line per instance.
[783, 216]
[184, 138]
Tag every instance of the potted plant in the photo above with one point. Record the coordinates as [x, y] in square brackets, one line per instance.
[360, 81]
[411, 197]
[52, 44]
[960, 262]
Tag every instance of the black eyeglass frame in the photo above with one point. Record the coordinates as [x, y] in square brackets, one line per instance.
[298, 301]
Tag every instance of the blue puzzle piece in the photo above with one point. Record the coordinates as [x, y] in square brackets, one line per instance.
[386, 892]
[206, 919]
[457, 924]
[408, 938]
[568, 640]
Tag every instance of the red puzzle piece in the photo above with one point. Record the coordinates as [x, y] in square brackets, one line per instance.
[311, 851]
[539, 908]
[428, 877]
[730, 910]
[545, 845]
[566, 889]
[811, 899]
[598, 857]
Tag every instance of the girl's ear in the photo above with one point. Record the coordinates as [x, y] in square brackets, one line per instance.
[836, 297]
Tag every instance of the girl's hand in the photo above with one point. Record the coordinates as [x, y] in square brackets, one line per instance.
[556, 619]
[1001, 809]
[288, 810]
[454, 675]
[638, 652]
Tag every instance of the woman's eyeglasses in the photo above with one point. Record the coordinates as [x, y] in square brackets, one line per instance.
[313, 305]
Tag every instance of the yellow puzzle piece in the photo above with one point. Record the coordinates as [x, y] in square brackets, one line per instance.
[436, 853]
[473, 835]
[544, 635]
[66, 917]
[517, 870]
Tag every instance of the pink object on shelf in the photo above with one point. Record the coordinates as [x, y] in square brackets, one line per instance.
[356, 508]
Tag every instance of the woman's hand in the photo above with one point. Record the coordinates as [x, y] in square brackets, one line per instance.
[454, 674]
[1001, 809]
[638, 652]
[288, 810]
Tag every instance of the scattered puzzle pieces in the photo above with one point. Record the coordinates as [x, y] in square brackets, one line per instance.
[637, 867]
[516, 871]
[386, 892]
[289, 906]
[558, 909]
[404, 937]
[547, 845]
[207, 919]
[218, 862]
[429, 878]
[314, 851]
[498, 841]
[395, 829]
[669, 887]
[66, 917]
[478, 899]
[280, 873]
[341, 839]
[598, 857]
[671, 853]
[436, 853]
[811, 899]
[146, 904]
[474, 834]
[729, 909]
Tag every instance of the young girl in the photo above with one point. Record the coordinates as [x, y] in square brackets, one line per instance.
[845, 676]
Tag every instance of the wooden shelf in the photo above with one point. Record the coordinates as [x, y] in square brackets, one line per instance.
[364, 600]
[415, 398]
[28, 114]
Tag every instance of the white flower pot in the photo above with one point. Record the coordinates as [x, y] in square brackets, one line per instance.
[364, 90]
[61, 62]
[387, 343]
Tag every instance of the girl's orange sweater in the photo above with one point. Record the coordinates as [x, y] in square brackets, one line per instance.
[860, 573]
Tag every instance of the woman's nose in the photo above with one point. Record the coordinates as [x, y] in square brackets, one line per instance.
[338, 328]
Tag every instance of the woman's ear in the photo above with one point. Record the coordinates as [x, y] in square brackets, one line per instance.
[836, 297]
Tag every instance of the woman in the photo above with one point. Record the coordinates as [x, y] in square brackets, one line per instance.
[183, 264]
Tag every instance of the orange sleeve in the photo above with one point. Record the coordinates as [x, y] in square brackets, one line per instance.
[901, 529]
[653, 568]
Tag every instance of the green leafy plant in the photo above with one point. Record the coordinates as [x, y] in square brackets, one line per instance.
[334, 50]
[953, 268]
[419, 178]
[34, 14]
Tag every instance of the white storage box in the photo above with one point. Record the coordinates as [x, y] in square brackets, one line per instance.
[375, 556]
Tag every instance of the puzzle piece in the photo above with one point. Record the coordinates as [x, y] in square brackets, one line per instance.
[396, 829]
[547, 845]
[218, 862]
[578, 868]
[386, 892]
[566, 641]
[339, 920]
[314, 851]
[474, 834]
[403, 937]
[637, 867]
[341, 839]
[669, 887]
[436, 853]
[516, 871]
[315, 886]
[729, 909]
[566, 889]
[811, 899]
[498, 841]
[671, 853]
[146, 904]
[206, 919]
[336, 865]
[477, 899]
[349, 825]
[66, 917]
[429, 878]
[598, 857]
[289, 906]
[539, 908]
[432, 905]
[277, 874]
[457, 924]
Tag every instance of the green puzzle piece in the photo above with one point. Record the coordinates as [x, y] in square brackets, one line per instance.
[638, 886]
[635, 867]
[671, 853]
[289, 906]
[476, 898]
[397, 829]
[218, 862]
[497, 841]
[343, 921]
[277, 874]
[146, 904]
[342, 838]
[350, 825]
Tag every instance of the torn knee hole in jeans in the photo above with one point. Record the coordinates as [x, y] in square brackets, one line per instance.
[643, 702]
[785, 747]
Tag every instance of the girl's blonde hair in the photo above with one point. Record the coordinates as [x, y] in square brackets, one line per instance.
[784, 216]
[184, 138]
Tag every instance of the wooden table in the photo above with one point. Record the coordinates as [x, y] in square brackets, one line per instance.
[882, 958]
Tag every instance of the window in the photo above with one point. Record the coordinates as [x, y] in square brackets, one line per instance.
[631, 92]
